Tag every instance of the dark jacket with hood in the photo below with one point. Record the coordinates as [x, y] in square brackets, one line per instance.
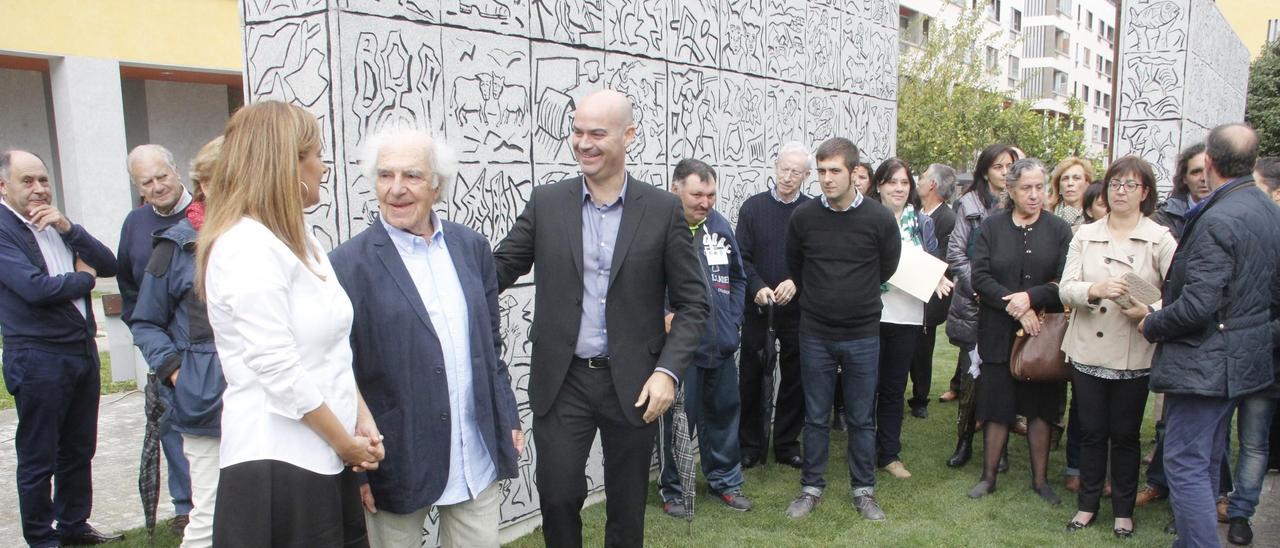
[171, 327]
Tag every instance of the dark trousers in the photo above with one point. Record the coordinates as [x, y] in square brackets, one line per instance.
[1155, 471]
[1114, 421]
[788, 411]
[587, 402]
[859, 359]
[922, 366]
[56, 396]
[1074, 432]
[897, 346]
[274, 504]
[711, 403]
[1195, 440]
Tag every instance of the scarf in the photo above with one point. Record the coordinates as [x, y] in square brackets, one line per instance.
[195, 214]
[909, 230]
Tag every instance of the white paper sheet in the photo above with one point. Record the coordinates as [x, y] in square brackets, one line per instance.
[918, 273]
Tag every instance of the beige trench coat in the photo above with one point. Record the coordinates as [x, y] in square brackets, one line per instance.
[1099, 334]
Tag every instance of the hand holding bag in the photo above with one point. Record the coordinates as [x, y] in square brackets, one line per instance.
[1040, 358]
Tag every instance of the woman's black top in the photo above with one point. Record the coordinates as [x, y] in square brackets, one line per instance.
[1008, 259]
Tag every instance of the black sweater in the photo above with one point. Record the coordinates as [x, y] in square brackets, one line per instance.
[838, 261]
[1009, 259]
[761, 235]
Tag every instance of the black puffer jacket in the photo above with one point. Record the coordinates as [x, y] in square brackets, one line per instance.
[962, 319]
[1214, 331]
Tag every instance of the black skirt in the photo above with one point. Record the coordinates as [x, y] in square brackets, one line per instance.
[1001, 397]
[268, 503]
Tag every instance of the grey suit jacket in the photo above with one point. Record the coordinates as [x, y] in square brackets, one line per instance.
[653, 258]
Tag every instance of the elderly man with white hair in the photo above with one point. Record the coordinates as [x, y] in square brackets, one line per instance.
[427, 353]
[761, 231]
[165, 200]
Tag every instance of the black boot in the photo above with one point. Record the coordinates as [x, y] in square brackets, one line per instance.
[964, 451]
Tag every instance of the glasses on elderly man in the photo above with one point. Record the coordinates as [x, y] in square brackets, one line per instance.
[1129, 185]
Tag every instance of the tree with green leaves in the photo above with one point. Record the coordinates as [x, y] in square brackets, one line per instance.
[948, 109]
[1262, 106]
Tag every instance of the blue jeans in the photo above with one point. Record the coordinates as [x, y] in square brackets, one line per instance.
[712, 403]
[1194, 446]
[859, 362]
[1254, 424]
[179, 469]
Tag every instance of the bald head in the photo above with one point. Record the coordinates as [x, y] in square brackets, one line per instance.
[608, 103]
[603, 128]
[24, 181]
[1231, 150]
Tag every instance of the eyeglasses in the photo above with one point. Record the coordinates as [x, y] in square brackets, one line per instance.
[1129, 185]
[793, 172]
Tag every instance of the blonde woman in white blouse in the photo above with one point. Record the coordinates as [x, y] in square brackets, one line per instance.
[1110, 358]
[294, 427]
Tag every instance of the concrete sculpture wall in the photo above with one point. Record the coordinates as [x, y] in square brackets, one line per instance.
[1182, 71]
[726, 81]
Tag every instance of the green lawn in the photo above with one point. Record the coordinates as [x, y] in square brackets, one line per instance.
[108, 387]
[929, 509]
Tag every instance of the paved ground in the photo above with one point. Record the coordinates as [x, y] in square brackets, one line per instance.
[116, 505]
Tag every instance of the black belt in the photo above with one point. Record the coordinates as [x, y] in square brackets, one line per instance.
[598, 362]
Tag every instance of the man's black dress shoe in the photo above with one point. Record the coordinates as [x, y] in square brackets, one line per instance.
[88, 537]
[793, 461]
[1239, 532]
[749, 461]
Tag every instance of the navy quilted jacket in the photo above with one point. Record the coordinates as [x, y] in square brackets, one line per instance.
[1215, 329]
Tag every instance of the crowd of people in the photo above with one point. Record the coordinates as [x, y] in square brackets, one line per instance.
[335, 399]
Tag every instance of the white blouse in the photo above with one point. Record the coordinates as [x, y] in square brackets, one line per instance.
[282, 333]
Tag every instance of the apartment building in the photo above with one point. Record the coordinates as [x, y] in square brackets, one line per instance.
[1051, 51]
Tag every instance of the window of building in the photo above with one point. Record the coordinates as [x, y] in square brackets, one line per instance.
[993, 59]
[1088, 19]
[1015, 19]
[1062, 41]
[1097, 98]
[1273, 30]
[1098, 63]
[993, 10]
[1064, 8]
[1015, 71]
[1084, 96]
[1060, 83]
[1108, 68]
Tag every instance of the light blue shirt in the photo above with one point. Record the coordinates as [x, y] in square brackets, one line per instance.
[431, 267]
[599, 234]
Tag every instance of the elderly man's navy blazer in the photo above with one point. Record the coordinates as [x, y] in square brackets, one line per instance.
[400, 368]
[37, 308]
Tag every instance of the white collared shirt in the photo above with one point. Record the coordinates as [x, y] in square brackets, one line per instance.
[283, 334]
[58, 258]
[857, 201]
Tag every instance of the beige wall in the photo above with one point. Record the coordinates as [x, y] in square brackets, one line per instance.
[1249, 18]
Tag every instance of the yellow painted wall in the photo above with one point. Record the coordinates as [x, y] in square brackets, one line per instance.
[1249, 18]
[199, 34]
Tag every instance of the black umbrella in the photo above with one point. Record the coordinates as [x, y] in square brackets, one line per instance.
[149, 469]
[769, 357]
